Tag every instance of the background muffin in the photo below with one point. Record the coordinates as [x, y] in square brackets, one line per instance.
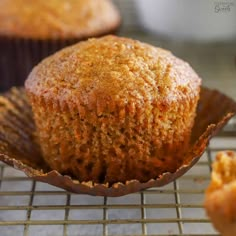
[113, 109]
[31, 30]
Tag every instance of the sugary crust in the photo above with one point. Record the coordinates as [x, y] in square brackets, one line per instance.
[113, 69]
[55, 19]
[221, 194]
[113, 109]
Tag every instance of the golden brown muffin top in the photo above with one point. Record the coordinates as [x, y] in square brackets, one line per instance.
[113, 68]
[43, 19]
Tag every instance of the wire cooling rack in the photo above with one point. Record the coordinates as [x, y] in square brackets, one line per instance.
[30, 208]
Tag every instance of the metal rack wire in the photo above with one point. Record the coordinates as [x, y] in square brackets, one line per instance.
[32, 208]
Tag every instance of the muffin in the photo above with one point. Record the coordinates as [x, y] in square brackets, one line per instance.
[221, 194]
[113, 109]
[31, 30]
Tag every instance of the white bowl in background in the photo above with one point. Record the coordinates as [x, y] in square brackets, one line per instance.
[198, 20]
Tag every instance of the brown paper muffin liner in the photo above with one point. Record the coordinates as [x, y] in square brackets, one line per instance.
[19, 148]
[19, 55]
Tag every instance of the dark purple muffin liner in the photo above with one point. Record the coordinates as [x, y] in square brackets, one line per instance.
[19, 55]
[19, 147]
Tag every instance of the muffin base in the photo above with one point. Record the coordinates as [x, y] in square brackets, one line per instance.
[113, 147]
[19, 148]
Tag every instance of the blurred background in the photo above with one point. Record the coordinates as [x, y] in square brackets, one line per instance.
[201, 32]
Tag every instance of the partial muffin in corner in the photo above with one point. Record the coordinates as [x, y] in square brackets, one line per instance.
[113, 109]
[220, 200]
